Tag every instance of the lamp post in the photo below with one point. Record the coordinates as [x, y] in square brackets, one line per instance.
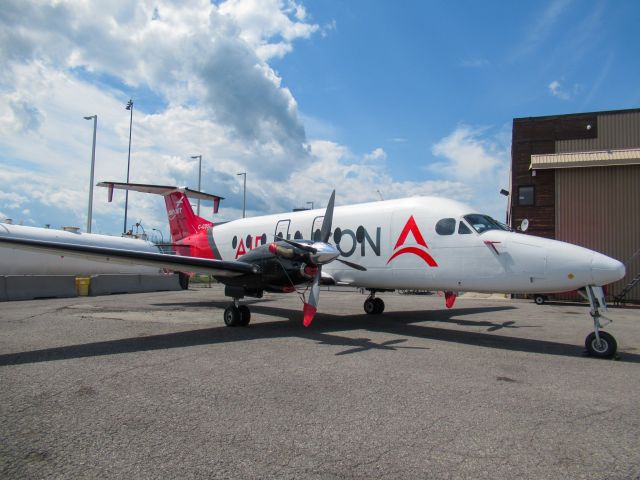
[244, 196]
[126, 197]
[93, 162]
[199, 178]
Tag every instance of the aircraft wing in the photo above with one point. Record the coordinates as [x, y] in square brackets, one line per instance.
[131, 257]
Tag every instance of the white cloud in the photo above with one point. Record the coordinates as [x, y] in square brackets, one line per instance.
[66, 60]
[377, 154]
[468, 155]
[559, 91]
[542, 27]
[479, 159]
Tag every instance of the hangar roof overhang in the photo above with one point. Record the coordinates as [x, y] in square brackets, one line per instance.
[605, 158]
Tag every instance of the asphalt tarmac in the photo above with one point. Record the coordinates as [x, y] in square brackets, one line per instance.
[155, 386]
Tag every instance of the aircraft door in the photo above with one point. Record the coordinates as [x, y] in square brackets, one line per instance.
[316, 228]
[282, 229]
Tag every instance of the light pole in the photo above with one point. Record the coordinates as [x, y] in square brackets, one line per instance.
[244, 196]
[93, 162]
[126, 196]
[199, 178]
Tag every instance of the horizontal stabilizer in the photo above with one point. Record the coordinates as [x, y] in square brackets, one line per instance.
[163, 190]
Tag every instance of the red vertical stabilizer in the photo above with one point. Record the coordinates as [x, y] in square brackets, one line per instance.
[182, 221]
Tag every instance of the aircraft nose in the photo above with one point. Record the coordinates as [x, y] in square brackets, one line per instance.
[606, 269]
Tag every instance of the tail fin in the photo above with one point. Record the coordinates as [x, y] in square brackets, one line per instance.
[182, 221]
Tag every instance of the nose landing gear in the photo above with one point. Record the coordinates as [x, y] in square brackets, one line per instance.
[599, 343]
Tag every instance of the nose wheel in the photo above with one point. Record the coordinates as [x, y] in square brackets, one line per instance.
[603, 347]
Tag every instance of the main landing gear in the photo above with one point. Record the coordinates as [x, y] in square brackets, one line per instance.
[237, 315]
[373, 305]
[599, 343]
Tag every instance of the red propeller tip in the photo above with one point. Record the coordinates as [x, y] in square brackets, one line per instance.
[309, 312]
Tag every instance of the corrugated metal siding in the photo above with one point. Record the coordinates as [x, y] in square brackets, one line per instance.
[598, 209]
[615, 131]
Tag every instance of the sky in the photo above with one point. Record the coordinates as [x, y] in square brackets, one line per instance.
[376, 99]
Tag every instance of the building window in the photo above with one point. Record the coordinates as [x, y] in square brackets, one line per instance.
[526, 196]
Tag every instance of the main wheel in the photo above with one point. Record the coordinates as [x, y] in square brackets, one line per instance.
[245, 315]
[232, 316]
[183, 280]
[607, 347]
[539, 299]
[379, 305]
[370, 306]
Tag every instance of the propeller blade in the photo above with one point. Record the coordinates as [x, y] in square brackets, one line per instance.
[311, 307]
[301, 246]
[352, 265]
[328, 219]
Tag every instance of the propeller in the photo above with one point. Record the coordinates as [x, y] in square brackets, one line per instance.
[311, 307]
[316, 254]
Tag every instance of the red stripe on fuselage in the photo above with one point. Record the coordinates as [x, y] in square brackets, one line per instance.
[415, 251]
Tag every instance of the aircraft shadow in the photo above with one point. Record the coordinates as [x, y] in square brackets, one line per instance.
[325, 332]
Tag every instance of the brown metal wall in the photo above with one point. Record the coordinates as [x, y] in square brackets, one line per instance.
[615, 131]
[598, 208]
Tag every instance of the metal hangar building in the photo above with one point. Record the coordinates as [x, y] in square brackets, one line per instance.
[576, 178]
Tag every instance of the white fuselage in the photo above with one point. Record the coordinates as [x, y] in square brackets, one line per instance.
[15, 261]
[398, 243]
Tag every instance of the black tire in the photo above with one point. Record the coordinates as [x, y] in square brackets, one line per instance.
[539, 299]
[607, 348]
[370, 306]
[183, 279]
[379, 305]
[232, 316]
[245, 316]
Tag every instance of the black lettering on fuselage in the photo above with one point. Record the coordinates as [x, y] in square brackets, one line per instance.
[362, 237]
[376, 246]
[347, 232]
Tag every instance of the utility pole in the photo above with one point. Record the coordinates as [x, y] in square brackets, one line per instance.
[244, 197]
[199, 178]
[93, 162]
[126, 197]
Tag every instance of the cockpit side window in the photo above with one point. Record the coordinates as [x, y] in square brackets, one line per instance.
[463, 229]
[446, 226]
[482, 223]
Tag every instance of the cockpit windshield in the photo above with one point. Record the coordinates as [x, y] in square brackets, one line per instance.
[482, 223]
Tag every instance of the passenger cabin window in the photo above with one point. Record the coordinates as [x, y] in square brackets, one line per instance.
[446, 226]
[463, 229]
[482, 223]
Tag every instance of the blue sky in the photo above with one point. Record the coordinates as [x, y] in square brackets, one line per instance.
[404, 98]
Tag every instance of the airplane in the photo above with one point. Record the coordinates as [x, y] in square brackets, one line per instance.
[426, 243]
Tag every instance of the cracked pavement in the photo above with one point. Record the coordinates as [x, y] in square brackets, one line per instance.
[154, 386]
